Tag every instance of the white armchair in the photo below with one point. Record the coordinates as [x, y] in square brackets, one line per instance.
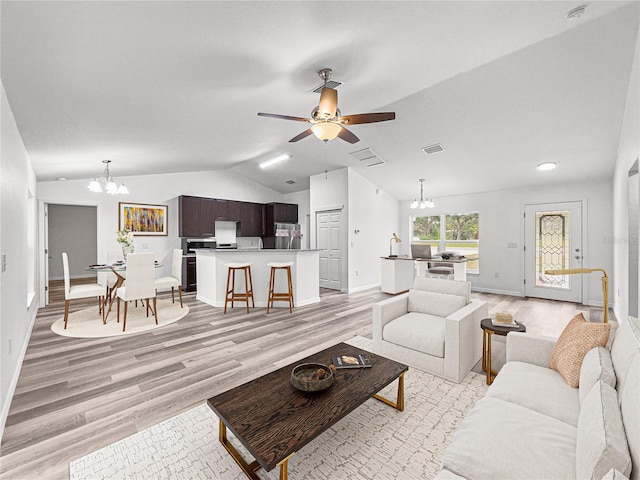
[434, 327]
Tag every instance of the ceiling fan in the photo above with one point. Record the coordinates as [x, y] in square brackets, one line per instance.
[328, 122]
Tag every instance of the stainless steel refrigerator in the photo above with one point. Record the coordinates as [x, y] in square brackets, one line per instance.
[288, 236]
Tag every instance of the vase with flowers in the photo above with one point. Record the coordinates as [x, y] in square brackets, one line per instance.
[125, 238]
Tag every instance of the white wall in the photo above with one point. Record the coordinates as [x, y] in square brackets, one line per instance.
[628, 152]
[329, 191]
[501, 222]
[154, 189]
[366, 208]
[16, 317]
[375, 215]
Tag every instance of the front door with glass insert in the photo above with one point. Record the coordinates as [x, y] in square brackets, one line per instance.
[553, 241]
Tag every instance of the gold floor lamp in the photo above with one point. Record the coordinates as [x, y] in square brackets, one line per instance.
[605, 284]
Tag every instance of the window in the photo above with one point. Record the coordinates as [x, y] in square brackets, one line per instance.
[457, 233]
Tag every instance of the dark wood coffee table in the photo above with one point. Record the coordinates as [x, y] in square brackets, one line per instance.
[273, 420]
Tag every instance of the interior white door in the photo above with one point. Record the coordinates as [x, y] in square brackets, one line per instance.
[328, 228]
[553, 241]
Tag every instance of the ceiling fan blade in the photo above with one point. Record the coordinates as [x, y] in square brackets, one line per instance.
[347, 136]
[304, 134]
[368, 118]
[285, 117]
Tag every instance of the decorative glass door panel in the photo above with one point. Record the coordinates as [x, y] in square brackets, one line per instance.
[553, 241]
[552, 248]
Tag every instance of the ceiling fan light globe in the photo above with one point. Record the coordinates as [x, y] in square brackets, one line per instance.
[326, 131]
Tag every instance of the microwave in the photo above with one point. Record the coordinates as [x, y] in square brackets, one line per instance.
[190, 244]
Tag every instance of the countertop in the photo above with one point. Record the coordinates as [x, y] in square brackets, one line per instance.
[255, 250]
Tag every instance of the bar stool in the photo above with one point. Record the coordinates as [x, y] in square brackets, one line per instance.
[231, 294]
[280, 296]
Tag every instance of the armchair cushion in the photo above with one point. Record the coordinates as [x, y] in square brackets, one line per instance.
[432, 303]
[418, 331]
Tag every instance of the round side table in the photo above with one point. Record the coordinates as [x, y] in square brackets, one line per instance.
[489, 329]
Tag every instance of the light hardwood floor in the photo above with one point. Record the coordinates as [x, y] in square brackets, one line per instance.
[75, 396]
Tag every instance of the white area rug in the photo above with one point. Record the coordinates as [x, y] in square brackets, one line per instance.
[373, 442]
[87, 323]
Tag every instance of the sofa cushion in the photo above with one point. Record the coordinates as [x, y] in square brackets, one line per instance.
[502, 440]
[630, 407]
[601, 442]
[538, 388]
[596, 366]
[451, 287]
[578, 337]
[625, 346]
[440, 304]
[418, 331]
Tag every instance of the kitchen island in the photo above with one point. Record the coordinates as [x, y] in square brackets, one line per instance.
[212, 275]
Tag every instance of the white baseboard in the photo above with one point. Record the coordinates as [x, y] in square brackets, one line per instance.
[16, 374]
[364, 287]
[497, 292]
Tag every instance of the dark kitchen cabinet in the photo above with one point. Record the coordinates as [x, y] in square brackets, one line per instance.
[189, 213]
[189, 281]
[221, 209]
[251, 223]
[283, 212]
[207, 217]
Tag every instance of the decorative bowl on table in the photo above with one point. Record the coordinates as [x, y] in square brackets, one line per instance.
[311, 377]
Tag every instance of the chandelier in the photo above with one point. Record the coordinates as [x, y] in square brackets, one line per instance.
[424, 202]
[106, 183]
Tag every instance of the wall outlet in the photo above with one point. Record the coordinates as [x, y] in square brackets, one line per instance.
[145, 246]
[10, 345]
[356, 273]
[496, 275]
[512, 245]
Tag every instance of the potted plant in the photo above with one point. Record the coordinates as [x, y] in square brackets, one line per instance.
[125, 238]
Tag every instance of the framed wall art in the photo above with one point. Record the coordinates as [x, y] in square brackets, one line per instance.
[142, 219]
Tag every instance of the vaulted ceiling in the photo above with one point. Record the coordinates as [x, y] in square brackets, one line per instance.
[160, 87]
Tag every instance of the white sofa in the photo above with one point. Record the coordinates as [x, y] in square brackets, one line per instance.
[532, 425]
[434, 327]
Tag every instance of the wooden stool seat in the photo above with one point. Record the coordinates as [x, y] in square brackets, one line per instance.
[231, 294]
[280, 296]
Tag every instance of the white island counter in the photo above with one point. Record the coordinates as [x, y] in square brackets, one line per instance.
[212, 275]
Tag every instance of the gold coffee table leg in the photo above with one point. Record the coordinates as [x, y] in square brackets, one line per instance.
[284, 470]
[249, 469]
[399, 403]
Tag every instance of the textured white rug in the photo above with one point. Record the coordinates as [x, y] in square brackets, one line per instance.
[87, 323]
[373, 442]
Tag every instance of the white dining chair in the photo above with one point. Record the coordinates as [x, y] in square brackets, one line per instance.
[79, 291]
[175, 279]
[113, 255]
[140, 284]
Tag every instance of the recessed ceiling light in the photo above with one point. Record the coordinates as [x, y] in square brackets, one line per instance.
[576, 13]
[61, 179]
[273, 161]
[547, 166]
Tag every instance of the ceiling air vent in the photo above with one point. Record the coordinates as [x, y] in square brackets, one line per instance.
[290, 182]
[431, 149]
[330, 84]
[367, 157]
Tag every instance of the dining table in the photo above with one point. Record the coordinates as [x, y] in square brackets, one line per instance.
[117, 268]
